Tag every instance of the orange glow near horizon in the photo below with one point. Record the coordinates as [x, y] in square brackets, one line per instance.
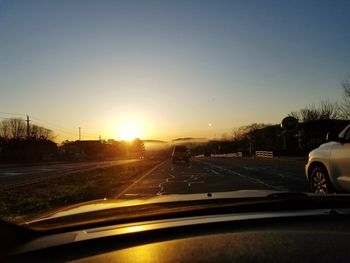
[128, 127]
[129, 131]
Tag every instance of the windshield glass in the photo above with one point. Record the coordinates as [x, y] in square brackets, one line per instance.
[98, 97]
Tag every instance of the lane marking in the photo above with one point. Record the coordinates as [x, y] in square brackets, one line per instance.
[274, 172]
[253, 180]
[138, 180]
[215, 172]
[193, 178]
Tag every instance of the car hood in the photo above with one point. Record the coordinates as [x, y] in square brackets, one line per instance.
[328, 145]
[103, 204]
[323, 149]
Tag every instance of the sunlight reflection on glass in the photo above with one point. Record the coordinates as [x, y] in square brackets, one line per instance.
[136, 228]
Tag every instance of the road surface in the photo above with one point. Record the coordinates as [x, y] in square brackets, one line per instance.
[12, 175]
[220, 174]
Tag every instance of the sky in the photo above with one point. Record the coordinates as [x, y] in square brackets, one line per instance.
[168, 69]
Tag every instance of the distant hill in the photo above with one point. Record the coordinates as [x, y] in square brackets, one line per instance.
[153, 141]
[154, 145]
[186, 139]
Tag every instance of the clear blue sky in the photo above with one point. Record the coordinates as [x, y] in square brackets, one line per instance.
[169, 68]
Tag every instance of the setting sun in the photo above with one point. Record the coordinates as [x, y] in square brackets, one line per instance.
[129, 131]
[128, 126]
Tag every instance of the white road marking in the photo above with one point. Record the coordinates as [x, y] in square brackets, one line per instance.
[253, 180]
[215, 172]
[138, 180]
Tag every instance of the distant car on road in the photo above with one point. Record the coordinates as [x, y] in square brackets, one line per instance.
[180, 153]
[328, 167]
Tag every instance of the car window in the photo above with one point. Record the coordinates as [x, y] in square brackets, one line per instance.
[120, 100]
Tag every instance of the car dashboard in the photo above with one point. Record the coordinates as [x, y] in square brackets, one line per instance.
[320, 235]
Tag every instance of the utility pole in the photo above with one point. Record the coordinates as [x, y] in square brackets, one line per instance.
[299, 139]
[79, 133]
[28, 120]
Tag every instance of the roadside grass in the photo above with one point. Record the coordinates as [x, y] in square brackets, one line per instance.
[20, 203]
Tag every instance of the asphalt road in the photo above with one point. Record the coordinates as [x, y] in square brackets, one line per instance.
[220, 174]
[12, 175]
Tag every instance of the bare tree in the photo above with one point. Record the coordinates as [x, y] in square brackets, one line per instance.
[344, 107]
[328, 110]
[295, 114]
[38, 132]
[309, 114]
[237, 134]
[15, 128]
[4, 129]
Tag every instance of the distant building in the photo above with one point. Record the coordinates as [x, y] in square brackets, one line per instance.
[89, 149]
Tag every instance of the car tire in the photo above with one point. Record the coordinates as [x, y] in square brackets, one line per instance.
[319, 181]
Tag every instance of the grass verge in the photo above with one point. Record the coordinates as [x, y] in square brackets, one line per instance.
[22, 202]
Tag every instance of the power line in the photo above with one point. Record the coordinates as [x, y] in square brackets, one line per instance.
[15, 114]
[53, 125]
[54, 128]
[61, 128]
[50, 125]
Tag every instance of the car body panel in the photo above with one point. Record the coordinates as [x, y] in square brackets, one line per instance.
[321, 155]
[60, 239]
[335, 157]
[102, 204]
[340, 164]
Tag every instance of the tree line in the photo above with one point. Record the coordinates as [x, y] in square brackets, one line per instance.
[16, 128]
[102, 149]
[17, 145]
[315, 121]
[33, 143]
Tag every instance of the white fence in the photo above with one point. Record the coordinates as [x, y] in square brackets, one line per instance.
[264, 154]
[228, 155]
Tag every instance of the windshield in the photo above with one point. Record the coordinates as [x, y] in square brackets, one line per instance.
[98, 97]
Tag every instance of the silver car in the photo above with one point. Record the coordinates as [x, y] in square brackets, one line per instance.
[328, 167]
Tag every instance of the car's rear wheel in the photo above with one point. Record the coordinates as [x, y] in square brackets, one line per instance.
[319, 181]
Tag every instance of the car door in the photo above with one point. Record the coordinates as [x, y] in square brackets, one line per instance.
[340, 161]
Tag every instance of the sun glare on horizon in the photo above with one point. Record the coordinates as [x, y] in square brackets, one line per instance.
[129, 126]
[129, 131]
